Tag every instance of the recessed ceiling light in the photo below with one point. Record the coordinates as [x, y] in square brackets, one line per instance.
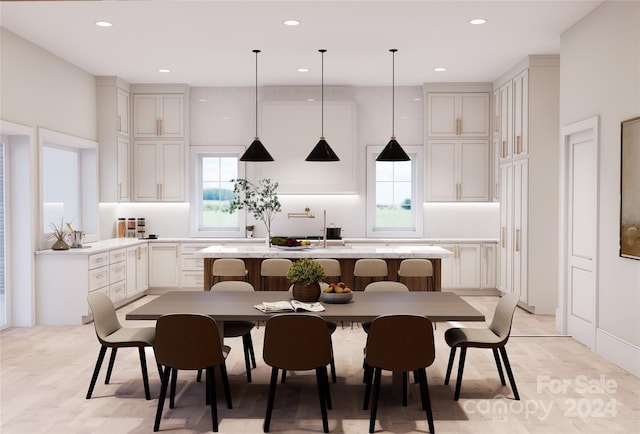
[478, 21]
[291, 22]
[302, 69]
[164, 70]
[103, 24]
[202, 100]
[311, 99]
[417, 99]
[440, 69]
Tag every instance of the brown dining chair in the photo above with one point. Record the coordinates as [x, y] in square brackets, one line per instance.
[298, 342]
[416, 269]
[229, 269]
[369, 270]
[112, 335]
[274, 270]
[399, 343]
[234, 329]
[190, 342]
[495, 337]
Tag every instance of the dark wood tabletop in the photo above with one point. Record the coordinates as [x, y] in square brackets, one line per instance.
[233, 306]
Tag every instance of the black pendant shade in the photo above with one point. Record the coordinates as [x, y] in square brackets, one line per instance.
[256, 151]
[393, 151]
[322, 151]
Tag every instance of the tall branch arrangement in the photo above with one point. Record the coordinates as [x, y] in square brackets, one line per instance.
[261, 200]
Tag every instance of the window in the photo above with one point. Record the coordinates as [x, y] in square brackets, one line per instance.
[394, 192]
[214, 168]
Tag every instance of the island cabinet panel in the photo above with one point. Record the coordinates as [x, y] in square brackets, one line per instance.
[346, 265]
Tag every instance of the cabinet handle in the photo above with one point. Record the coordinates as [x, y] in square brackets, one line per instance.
[503, 241]
[119, 190]
[161, 127]
[517, 240]
[176, 251]
[518, 147]
[504, 149]
[119, 123]
[458, 126]
[139, 253]
[495, 126]
[161, 192]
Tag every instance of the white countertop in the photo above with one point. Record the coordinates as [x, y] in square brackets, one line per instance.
[355, 252]
[96, 247]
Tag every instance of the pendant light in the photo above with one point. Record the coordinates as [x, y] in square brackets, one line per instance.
[322, 151]
[256, 151]
[393, 151]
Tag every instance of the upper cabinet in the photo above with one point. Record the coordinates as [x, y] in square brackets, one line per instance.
[160, 142]
[513, 117]
[158, 115]
[458, 127]
[113, 137]
[458, 114]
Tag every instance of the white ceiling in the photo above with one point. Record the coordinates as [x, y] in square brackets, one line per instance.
[209, 43]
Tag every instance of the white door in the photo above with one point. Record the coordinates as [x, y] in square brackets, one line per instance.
[581, 235]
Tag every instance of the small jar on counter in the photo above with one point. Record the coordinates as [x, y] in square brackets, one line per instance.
[131, 227]
[122, 227]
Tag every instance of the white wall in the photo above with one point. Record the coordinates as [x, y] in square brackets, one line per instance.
[600, 76]
[37, 89]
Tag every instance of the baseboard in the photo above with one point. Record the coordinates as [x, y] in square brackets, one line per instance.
[618, 351]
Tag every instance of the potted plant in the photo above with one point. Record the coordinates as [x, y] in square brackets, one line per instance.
[261, 200]
[60, 234]
[306, 275]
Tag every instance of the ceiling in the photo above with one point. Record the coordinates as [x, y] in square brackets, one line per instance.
[209, 43]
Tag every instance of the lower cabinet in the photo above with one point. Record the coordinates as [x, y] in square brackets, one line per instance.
[164, 265]
[137, 269]
[191, 268]
[472, 266]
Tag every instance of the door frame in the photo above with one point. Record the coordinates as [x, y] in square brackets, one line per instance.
[589, 124]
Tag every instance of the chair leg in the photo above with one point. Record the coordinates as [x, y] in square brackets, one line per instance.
[270, 398]
[96, 370]
[405, 380]
[112, 360]
[507, 366]
[284, 376]
[225, 385]
[211, 391]
[327, 389]
[251, 353]
[426, 399]
[368, 374]
[499, 366]
[199, 376]
[160, 371]
[163, 394]
[463, 354]
[374, 401]
[321, 378]
[333, 368]
[145, 375]
[452, 356]
[247, 356]
[172, 392]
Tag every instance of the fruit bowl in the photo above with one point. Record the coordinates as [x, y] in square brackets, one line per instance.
[335, 298]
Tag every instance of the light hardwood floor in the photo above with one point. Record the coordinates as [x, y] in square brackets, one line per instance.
[564, 388]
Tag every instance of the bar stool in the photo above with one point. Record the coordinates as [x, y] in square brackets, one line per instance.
[228, 267]
[416, 268]
[370, 270]
[274, 269]
[332, 270]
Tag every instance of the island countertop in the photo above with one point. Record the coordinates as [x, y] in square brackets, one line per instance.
[347, 256]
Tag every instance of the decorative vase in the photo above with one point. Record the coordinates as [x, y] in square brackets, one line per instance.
[60, 245]
[307, 293]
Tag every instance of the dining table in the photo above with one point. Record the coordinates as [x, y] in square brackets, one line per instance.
[364, 306]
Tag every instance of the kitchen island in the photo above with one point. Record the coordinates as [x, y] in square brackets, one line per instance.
[347, 256]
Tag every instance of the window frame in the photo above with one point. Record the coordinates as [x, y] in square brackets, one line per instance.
[195, 183]
[416, 152]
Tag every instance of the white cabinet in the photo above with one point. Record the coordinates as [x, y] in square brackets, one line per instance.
[164, 265]
[118, 275]
[137, 269]
[159, 171]
[191, 268]
[158, 115]
[489, 265]
[113, 137]
[462, 270]
[528, 137]
[458, 170]
[458, 114]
